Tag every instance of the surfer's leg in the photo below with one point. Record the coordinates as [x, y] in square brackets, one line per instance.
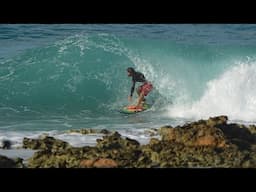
[140, 99]
[143, 101]
[138, 90]
[146, 89]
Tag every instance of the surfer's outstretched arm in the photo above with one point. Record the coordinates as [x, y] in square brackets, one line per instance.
[132, 90]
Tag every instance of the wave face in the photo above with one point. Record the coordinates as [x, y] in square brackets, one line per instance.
[197, 70]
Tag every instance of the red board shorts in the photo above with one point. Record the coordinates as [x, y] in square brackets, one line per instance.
[146, 88]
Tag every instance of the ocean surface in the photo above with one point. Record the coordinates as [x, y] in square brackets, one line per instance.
[57, 77]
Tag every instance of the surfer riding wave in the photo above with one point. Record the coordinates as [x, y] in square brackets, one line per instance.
[142, 91]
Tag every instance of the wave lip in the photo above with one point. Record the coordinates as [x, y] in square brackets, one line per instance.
[233, 94]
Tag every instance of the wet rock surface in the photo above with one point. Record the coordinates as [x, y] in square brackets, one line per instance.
[6, 144]
[89, 131]
[45, 143]
[205, 143]
[201, 133]
[6, 162]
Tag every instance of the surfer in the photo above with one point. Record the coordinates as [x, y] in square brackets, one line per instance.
[142, 90]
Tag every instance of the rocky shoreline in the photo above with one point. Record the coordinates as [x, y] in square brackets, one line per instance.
[206, 143]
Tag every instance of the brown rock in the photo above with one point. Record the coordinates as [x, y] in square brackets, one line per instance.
[154, 141]
[45, 142]
[87, 163]
[200, 133]
[213, 121]
[105, 163]
[209, 140]
[252, 129]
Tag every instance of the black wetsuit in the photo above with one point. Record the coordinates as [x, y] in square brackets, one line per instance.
[136, 77]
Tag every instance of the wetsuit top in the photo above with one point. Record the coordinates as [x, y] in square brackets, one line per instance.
[137, 77]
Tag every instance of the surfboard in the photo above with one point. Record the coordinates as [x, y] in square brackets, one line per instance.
[128, 110]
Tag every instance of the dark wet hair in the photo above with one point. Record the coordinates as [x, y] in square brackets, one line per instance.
[131, 70]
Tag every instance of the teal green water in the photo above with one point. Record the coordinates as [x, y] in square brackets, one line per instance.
[72, 76]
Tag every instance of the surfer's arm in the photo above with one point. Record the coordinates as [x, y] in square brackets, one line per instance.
[132, 89]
